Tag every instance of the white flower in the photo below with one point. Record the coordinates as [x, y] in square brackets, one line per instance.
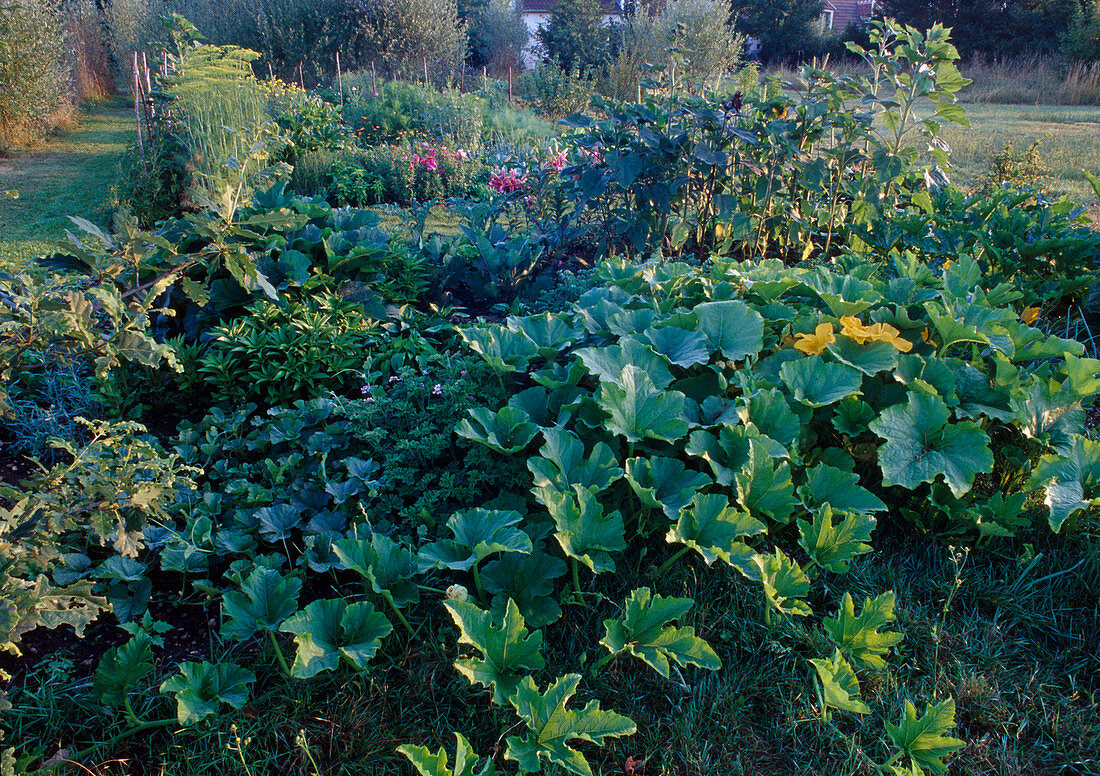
[458, 593]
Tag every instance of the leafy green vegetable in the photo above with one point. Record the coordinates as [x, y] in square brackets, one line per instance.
[388, 566]
[639, 411]
[664, 483]
[1072, 481]
[834, 546]
[121, 668]
[265, 600]
[507, 430]
[551, 727]
[584, 531]
[428, 763]
[732, 328]
[200, 688]
[478, 533]
[840, 489]
[921, 445]
[924, 740]
[817, 382]
[714, 528]
[839, 685]
[508, 649]
[859, 637]
[564, 464]
[528, 580]
[330, 629]
[784, 583]
[644, 632]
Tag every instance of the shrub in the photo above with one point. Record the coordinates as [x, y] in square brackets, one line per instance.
[34, 79]
[576, 35]
[407, 35]
[392, 174]
[555, 91]
[498, 35]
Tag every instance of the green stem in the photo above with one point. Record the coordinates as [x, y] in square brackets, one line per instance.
[576, 576]
[393, 605]
[477, 585]
[140, 728]
[600, 663]
[672, 559]
[279, 657]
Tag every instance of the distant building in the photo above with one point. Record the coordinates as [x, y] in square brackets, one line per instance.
[838, 14]
[536, 14]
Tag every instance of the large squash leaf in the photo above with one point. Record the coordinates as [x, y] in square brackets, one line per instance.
[478, 533]
[507, 431]
[639, 410]
[607, 363]
[508, 649]
[859, 637]
[921, 445]
[529, 581]
[265, 600]
[732, 328]
[664, 483]
[840, 489]
[429, 763]
[584, 531]
[644, 632]
[1072, 481]
[329, 630]
[924, 739]
[785, 584]
[834, 546]
[564, 464]
[839, 685]
[551, 727]
[200, 688]
[817, 382]
[714, 528]
[389, 567]
[121, 668]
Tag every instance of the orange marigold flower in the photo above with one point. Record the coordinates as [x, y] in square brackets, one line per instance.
[815, 344]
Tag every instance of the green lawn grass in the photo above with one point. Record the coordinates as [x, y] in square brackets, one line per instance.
[1069, 143]
[71, 174]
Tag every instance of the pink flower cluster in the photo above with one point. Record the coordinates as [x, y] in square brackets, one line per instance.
[506, 181]
[431, 157]
[557, 161]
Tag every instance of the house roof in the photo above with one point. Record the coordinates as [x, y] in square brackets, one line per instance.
[547, 6]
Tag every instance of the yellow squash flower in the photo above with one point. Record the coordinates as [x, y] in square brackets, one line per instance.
[815, 344]
[1030, 315]
[854, 329]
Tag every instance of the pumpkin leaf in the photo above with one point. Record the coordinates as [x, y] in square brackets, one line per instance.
[508, 650]
[924, 739]
[714, 528]
[329, 630]
[507, 431]
[839, 685]
[859, 637]
[644, 632]
[200, 688]
[265, 600]
[428, 763]
[583, 531]
[478, 533]
[639, 410]
[834, 546]
[784, 583]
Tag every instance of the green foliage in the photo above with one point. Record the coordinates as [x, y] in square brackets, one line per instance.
[332, 630]
[121, 669]
[859, 638]
[923, 739]
[508, 649]
[785, 29]
[644, 632]
[478, 533]
[833, 547]
[551, 727]
[839, 685]
[576, 35]
[428, 763]
[32, 70]
[201, 688]
[557, 90]
[265, 601]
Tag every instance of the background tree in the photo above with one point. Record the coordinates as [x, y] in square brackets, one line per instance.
[403, 34]
[785, 28]
[498, 34]
[576, 35]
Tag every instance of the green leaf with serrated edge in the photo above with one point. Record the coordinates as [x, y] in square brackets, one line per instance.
[478, 533]
[503, 349]
[871, 358]
[639, 410]
[834, 546]
[818, 383]
[772, 415]
[121, 668]
[529, 581]
[784, 583]
[1072, 481]
[829, 485]
[330, 629]
[727, 454]
[839, 685]
[1082, 375]
[732, 328]
[607, 363]
[507, 431]
[583, 531]
[714, 528]
[924, 739]
[564, 464]
[1049, 415]
[265, 599]
[852, 416]
[388, 566]
[921, 445]
[764, 487]
[859, 637]
[200, 688]
[680, 346]
[508, 649]
[664, 483]
[644, 632]
[428, 763]
[550, 727]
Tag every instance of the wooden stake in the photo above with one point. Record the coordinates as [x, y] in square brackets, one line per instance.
[164, 64]
[374, 78]
[136, 88]
[270, 72]
[509, 84]
[425, 71]
[339, 79]
[301, 78]
[145, 67]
